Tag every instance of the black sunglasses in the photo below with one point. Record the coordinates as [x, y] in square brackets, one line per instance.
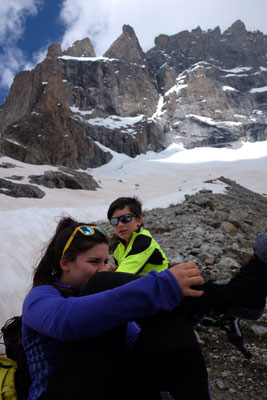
[123, 218]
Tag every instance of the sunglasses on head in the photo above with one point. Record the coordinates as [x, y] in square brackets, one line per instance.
[123, 218]
[87, 230]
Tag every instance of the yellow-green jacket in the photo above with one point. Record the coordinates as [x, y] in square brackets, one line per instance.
[143, 254]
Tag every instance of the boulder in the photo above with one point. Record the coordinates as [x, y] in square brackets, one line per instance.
[65, 178]
[20, 190]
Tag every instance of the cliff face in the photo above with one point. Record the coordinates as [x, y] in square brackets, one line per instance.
[198, 88]
[213, 85]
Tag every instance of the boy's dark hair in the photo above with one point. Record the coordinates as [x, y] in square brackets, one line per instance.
[133, 203]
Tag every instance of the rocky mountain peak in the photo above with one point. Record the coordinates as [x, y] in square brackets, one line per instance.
[215, 33]
[127, 47]
[238, 28]
[197, 30]
[198, 88]
[54, 50]
[128, 30]
[81, 48]
[161, 41]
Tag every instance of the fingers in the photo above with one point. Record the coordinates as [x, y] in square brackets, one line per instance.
[192, 272]
[189, 264]
[187, 275]
[192, 281]
[194, 293]
[111, 267]
[195, 281]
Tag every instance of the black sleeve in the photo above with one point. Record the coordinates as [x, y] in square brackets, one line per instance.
[196, 306]
[106, 280]
[140, 244]
[247, 289]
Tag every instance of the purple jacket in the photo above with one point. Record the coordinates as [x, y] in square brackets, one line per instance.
[48, 318]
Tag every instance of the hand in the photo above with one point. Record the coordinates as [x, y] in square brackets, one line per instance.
[111, 267]
[187, 275]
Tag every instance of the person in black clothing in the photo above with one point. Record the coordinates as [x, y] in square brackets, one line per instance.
[225, 303]
[243, 296]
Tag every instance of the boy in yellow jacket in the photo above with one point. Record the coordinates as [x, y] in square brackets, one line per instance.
[137, 251]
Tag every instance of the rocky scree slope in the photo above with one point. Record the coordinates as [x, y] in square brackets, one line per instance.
[217, 231]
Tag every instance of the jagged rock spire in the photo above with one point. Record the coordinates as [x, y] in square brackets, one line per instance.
[54, 50]
[81, 48]
[127, 47]
[238, 28]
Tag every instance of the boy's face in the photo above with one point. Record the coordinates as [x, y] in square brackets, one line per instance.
[126, 230]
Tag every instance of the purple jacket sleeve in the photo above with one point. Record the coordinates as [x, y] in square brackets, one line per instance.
[77, 318]
[132, 333]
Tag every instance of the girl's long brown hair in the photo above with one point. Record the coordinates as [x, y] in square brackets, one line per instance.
[49, 267]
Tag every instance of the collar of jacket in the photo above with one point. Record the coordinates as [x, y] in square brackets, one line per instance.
[65, 290]
[135, 233]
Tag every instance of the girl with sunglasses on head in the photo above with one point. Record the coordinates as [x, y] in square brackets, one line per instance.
[82, 342]
[137, 251]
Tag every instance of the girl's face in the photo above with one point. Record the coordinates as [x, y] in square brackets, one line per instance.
[76, 273]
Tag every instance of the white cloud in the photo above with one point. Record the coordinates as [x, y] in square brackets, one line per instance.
[102, 20]
[91, 19]
[11, 61]
[37, 57]
[13, 15]
[12, 24]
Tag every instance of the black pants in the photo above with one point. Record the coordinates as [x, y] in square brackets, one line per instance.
[165, 357]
